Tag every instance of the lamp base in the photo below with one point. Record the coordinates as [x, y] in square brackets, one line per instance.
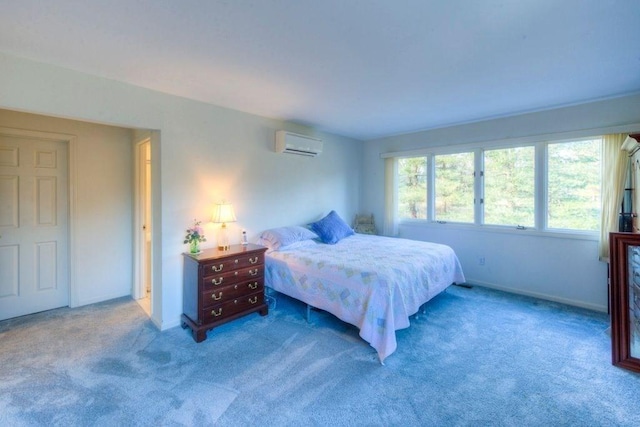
[223, 238]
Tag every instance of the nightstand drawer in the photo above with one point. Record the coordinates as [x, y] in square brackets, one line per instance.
[231, 307]
[231, 277]
[219, 295]
[233, 263]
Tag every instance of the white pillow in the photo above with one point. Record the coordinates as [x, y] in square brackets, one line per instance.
[276, 238]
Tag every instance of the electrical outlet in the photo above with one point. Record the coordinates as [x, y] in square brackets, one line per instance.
[481, 260]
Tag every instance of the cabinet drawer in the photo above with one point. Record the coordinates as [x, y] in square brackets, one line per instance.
[232, 263]
[231, 307]
[232, 277]
[222, 294]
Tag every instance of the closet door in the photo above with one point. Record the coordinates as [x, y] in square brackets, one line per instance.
[33, 225]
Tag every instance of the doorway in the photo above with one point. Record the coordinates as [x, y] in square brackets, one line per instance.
[142, 286]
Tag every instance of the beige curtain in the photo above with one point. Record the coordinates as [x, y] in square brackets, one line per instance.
[614, 172]
[390, 225]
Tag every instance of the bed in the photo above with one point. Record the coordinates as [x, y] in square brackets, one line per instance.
[372, 282]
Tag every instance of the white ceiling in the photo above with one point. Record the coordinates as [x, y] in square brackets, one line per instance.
[359, 68]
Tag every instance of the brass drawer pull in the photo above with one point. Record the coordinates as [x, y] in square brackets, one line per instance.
[253, 300]
[217, 269]
[253, 285]
[253, 260]
[217, 297]
[253, 272]
[217, 281]
[218, 313]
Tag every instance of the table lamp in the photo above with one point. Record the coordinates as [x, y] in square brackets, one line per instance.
[223, 213]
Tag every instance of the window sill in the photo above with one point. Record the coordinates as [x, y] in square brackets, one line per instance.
[551, 233]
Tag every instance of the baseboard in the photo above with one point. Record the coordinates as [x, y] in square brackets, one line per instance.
[566, 301]
[101, 298]
[168, 325]
[157, 323]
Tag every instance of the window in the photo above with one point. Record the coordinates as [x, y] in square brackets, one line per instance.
[454, 187]
[543, 185]
[509, 186]
[412, 188]
[573, 177]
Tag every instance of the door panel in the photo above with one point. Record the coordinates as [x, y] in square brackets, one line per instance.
[9, 201]
[46, 200]
[45, 268]
[33, 225]
[9, 271]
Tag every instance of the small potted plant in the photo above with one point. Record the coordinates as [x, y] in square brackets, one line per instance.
[194, 236]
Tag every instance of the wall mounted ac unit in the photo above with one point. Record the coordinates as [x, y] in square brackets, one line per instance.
[293, 143]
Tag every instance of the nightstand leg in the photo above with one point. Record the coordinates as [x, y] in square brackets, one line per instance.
[200, 336]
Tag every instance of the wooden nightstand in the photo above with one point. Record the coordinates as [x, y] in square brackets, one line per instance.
[220, 286]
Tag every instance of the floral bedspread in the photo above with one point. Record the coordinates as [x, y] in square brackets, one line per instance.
[372, 282]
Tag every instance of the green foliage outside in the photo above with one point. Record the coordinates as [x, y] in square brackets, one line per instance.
[509, 186]
[573, 193]
[412, 188]
[454, 187]
[574, 185]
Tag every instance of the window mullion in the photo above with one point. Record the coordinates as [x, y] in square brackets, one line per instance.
[431, 194]
[479, 187]
[541, 185]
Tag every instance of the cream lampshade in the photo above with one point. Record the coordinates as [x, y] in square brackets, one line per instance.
[223, 213]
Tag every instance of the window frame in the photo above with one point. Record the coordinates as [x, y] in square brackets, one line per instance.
[536, 184]
[540, 187]
[431, 161]
[397, 184]
[545, 220]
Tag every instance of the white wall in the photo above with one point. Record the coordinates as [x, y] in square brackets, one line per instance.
[552, 267]
[203, 154]
[206, 153]
[102, 198]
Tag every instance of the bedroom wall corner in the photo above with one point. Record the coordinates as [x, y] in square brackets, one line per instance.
[581, 280]
[206, 154]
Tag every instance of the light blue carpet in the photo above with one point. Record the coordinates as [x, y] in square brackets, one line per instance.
[477, 358]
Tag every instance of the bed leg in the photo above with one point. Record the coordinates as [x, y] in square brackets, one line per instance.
[308, 313]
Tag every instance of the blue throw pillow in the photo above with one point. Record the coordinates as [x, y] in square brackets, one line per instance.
[331, 229]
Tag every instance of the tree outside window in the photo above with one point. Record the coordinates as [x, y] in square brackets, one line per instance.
[412, 188]
[454, 187]
[569, 178]
[573, 182]
[509, 186]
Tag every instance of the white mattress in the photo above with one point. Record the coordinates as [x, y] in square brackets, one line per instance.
[372, 282]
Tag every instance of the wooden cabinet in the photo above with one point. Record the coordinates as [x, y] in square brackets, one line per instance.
[220, 286]
[624, 251]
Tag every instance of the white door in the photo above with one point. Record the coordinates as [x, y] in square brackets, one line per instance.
[147, 217]
[34, 272]
[143, 286]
